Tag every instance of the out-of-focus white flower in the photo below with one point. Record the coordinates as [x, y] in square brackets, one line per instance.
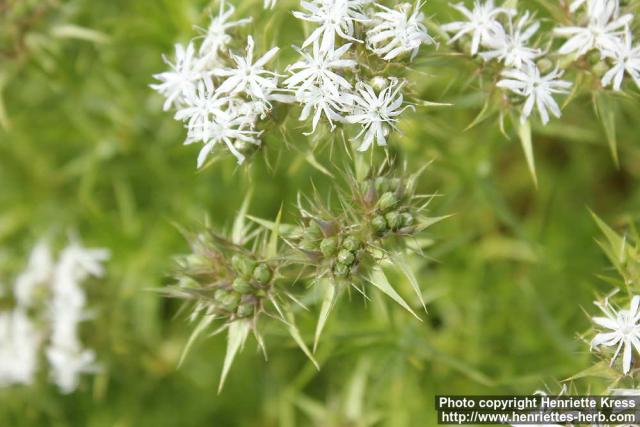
[19, 344]
[396, 31]
[625, 58]
[65, 353]
[537, 89]
[270, 4]
[182, 78]
[376, 113]
[67, 364]
[601, 32]
[333, 17]
[511, 44]
[248, 76]
[33, 281]
[481, 23]
[624, 330]
[318, 69]
[215, 37]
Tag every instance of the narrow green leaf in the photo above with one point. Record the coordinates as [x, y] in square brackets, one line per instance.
[328, 301]
[201, 327]
[380, 281]
[237, 334]
[283, 229]
[272, 247]
[237, 234]
[605, 109]
[295, 334]
[524, 133]
[401, 262]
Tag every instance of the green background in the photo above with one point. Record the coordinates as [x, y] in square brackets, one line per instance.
[85, 147]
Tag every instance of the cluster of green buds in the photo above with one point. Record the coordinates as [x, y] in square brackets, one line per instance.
[389, 206]
[227, 281]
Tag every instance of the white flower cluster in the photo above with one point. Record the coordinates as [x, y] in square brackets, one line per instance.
[600, 27]
[500, 34]
[326, 81]
[622, 330]
[220, 96]
[49, 305]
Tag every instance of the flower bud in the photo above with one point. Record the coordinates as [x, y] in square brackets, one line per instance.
[262, 274]
[243, 265]
[230, 301]
[245, 310]
[379, 224]
[394, 219]
[220, 294]
[382, 186]
[346, 257]
[328, 246]
[351, 244]
[341, 270]
[242, 286]
[387, 201]
[407, 219]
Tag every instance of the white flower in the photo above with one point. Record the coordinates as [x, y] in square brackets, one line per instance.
[227, 127]
[334, 17]
[65, 353]
[397, 31]
[481, 23]
[376, 113]
[215, 37]
[270, 4]
[182, 77]
[624, 330]
[601, 31]
[511, 45]
[320, 100]
[19, 344]
[32, 282]
[529, 83]
[67, 364]
[318, 69]
[625, 58]
[248, 76]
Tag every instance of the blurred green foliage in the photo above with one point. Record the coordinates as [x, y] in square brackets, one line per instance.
[84, 146]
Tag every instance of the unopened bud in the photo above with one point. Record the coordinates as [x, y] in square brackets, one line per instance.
[351, 244]
[262, 274]
[387, 201]
[379, 224]
[341, 270]
[242, 286]
[245, 310]
[394, 219]
[243, 265]
[328, 246]
[346, 257]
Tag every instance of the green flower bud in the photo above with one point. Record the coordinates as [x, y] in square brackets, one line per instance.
[379, 224]
[242, 286]
[394, 219]
[407, 219]
[230, 301]
[351, 244]
[262, 274]
[243, 265]
[220, 294]
[387, 201]
[346, 257]
[245, 310]
[382, 185]
[341, 270]
[313, 232]
[307, 244]
[328, 246]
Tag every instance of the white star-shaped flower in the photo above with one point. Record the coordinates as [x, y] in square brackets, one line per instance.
[601, 32]
[481, 23]
[319, 69]
[376, 113]
[182, 78]
[322, 101]
[624, 330]
[248, 76]
[537, 89]
[333, 17]
[396, 31]
[625, 58]
[511, 44]
[215, 38]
